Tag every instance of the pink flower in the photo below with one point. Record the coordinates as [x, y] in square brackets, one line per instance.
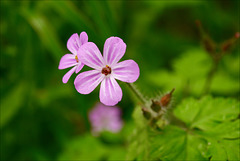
[106, 70]
[71, 60]
[104, 118]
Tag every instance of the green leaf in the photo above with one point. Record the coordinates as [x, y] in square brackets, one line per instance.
[212, 131]
[223, 83]
[224, 149]
[190, 72]
[188, 75]
[81, 148]
[177, 144]
[218, 123]
[46, 33]
[207, 112]
[170, 144]
[138, 141]
[11, 103]
[88, 147]
[117, 153]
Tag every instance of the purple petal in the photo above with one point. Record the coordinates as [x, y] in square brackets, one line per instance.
[90, 55]
[79, 67]
[68, 60]
[68, 75]
[115, 126]
[126, 71]
[73, 43]
[110, 92]
[114, 49]
[86, 82]
[105, 118]
[83, 38]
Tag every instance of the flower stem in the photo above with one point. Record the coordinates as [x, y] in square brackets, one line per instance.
[137, 93]
[210, 77]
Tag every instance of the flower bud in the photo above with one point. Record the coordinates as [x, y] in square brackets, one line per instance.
[228, 44]
[146, 113]
[208, 43]
[165, 100]
[237, 35]
[156, 106]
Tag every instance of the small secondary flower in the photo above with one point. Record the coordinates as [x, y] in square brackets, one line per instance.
[71, 60]
[106, 70]
[104, 118]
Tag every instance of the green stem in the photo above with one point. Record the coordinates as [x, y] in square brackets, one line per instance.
[137, 93]
[210, 77]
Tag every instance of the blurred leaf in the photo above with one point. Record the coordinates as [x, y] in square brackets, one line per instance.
[45, 97]
[91, 148]
[11, 103]
[117, 154]
[189, 75]
[189, 72]
[81, 148]
[45, 32]
[72, 14]
[138, 142]
[223, 83]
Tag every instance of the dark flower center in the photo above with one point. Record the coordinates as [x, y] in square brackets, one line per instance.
[106, 70]
[76, 58]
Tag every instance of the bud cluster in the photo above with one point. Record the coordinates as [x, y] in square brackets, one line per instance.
[158, 107]
[215, 50]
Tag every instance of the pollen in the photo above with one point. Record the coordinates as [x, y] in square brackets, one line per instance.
[106, 70]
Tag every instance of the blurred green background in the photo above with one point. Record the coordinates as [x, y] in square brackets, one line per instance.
[44, 119]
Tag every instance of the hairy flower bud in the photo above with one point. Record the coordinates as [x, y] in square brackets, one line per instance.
[165, 100]
[156, 106]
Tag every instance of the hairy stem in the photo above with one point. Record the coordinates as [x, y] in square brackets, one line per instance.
[137, 93]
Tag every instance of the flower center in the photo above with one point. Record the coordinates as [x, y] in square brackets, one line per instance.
[76, 58]
[106, 70]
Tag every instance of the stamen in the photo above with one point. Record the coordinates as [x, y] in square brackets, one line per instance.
[106, 70]
[76, 58]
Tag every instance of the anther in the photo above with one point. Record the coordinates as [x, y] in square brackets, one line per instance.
[76, 58]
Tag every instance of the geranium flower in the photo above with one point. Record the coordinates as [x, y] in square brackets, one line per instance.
[104, 118]
[106, 70]
[71, 60]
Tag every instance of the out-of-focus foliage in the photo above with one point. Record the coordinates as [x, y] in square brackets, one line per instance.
[190, 72]
[211, 131]
[44, 119]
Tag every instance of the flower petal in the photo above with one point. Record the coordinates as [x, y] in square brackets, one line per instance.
[110, 92]
[114, 49]
[73, 43]
[126, 71]
[68, 60]
[87, 81]
[90, 55]
[83, 38]
[68, 75]
[79, 67]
